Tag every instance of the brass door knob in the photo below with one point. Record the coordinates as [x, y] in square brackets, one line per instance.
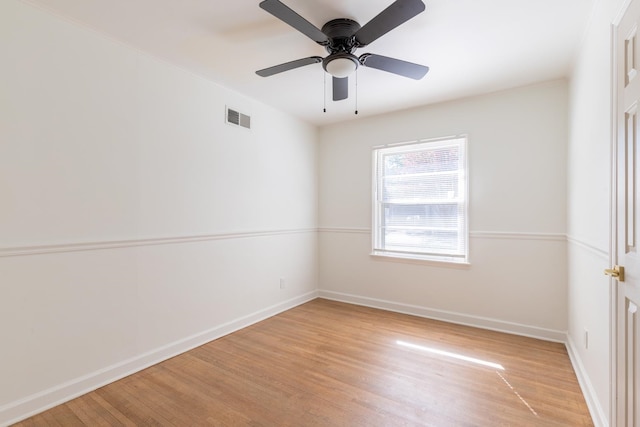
[617, 271]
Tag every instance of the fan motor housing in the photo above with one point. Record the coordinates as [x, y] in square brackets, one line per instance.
[341, 35]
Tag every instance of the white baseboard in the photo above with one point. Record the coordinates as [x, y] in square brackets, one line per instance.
[449, 316]
[31, 405]
[600, 418]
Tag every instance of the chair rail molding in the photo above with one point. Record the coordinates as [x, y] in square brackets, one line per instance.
[116, 244]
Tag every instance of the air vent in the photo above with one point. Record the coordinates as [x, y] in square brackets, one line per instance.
[236, 118]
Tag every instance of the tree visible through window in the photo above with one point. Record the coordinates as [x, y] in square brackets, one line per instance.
[420, 200]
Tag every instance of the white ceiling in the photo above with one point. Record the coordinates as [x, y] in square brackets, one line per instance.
[471, 46]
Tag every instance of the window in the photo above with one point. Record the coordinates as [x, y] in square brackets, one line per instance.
[420, 201]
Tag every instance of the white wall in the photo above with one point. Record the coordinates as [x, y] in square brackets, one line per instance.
[130, 211]
[517, 160]
[588, 208]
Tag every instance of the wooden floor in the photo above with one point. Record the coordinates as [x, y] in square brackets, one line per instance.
[332, 364]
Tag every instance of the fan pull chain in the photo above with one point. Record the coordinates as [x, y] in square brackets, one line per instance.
[325, 91]
[356, 91]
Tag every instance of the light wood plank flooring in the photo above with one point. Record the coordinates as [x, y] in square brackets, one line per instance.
[326, 363]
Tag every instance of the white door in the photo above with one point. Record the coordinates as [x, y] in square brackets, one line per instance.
[627, 244]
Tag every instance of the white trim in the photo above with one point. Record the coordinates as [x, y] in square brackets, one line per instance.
[618, 19]
[36, 403]
[473, 234]
[448, 316]
[346, 230]
[417, 141]
[593, 403]
[584, 245]
[518, 236]
[436, 262]
[115, 244]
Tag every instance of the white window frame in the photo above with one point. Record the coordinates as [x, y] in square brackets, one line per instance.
[459, 256]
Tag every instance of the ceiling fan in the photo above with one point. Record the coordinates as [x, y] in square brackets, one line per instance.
[342, 36]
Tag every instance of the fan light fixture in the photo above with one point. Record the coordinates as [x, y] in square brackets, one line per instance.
[341, 65]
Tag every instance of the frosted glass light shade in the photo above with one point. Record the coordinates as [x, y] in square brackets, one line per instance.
[341, 67]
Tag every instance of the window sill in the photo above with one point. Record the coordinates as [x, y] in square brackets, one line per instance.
[422, 260]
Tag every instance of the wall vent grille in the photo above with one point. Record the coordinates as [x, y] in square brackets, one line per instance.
[236, 118]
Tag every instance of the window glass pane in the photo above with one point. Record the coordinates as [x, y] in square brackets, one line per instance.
[422, 216]
[416, 161]
[426, 242]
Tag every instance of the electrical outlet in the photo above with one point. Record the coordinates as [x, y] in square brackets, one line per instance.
[283, 284]
[586, 339]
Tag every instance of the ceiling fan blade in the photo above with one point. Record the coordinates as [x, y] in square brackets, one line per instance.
[340, 88]
[266, 72]
[395, 66]
[288, 16]
[396, 14]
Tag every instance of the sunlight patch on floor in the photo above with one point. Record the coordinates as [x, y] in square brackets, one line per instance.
[464, 358]
[451, 355]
